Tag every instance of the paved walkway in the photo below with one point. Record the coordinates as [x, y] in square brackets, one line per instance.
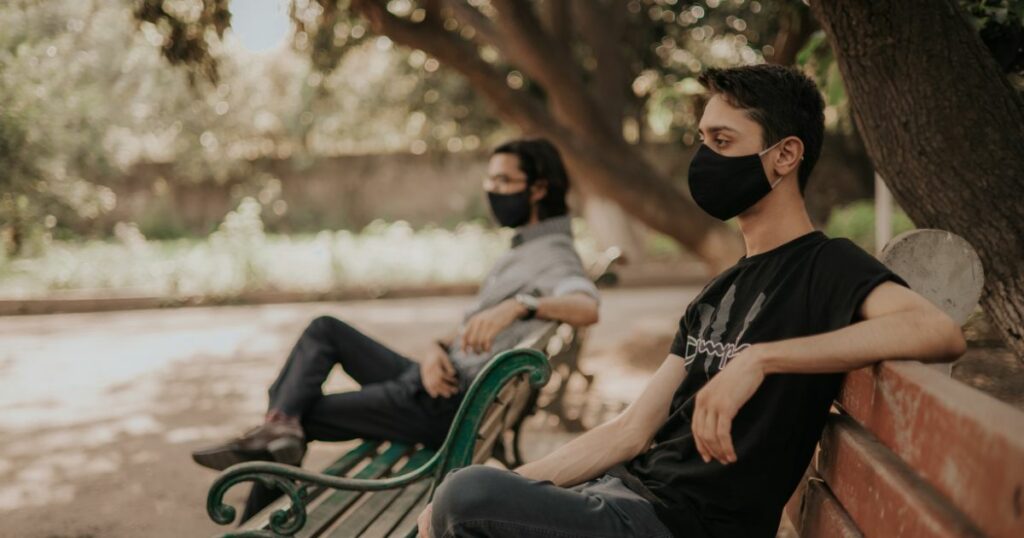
[98, 412]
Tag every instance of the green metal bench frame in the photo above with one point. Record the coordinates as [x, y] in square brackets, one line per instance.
[424, 468]
[488, 423]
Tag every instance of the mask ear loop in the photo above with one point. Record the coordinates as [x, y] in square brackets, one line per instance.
[769, 148]
[766, 150]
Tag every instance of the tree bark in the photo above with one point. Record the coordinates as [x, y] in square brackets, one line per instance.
[596, 153]
[943, 127]
[602, 27]
[795, 27]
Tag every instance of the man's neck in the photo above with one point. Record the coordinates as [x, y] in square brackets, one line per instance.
[772, 225]
[534, 229]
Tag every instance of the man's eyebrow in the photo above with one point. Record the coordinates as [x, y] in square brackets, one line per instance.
[718, 128]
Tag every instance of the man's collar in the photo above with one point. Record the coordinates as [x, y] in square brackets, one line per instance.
[554, 225]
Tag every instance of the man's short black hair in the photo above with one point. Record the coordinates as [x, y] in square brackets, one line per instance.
[539, 159]
[784, 101]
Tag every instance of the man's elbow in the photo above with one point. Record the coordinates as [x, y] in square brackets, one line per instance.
[591, 315]
[584, 311]
[949, 338]
[957, 342]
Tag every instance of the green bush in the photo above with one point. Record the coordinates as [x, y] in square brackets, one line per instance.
[857, 222]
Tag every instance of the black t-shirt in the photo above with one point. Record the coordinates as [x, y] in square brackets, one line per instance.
[807, 286]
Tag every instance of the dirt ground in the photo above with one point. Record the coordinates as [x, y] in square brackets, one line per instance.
[98, 412]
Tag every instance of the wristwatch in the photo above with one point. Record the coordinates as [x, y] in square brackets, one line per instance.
[529, 302]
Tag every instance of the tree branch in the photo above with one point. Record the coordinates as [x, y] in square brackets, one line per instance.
[513, 106]
[552, 67]
[795, 27]
[485, 33]
[557, 21]
[603, 28]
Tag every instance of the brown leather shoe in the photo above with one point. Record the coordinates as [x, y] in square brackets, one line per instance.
[273, 441]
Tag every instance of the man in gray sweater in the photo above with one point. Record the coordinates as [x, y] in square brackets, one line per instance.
[539, 278]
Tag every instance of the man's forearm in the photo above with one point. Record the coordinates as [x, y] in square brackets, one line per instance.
[903, 335]
[576, 309]
[585, 457]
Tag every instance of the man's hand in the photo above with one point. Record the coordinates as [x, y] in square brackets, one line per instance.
[719, 401]
[423, 522]
[438, 374]
[481, 329]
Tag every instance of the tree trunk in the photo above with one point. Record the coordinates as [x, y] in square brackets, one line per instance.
[602, 26]
[944, 128]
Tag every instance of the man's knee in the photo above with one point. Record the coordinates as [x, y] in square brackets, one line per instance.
[325, 325]
[467, 494]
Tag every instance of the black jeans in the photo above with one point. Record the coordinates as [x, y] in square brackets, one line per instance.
[480, 501]
[390, 405]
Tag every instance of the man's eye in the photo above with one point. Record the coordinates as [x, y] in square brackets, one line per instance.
[720, 143]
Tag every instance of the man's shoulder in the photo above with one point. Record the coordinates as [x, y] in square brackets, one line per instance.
[836, 252]
[553, 249]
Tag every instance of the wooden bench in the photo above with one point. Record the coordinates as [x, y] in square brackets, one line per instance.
[911, 452]
[563, 349]
[378, 488]
[382, 486]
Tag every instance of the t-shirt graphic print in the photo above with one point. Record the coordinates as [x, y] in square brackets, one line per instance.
[707, 339]
[807, 286]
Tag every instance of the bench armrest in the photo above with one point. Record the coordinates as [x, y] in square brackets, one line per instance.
[457, 450]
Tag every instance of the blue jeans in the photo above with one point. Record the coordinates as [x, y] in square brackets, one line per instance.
[480, 501]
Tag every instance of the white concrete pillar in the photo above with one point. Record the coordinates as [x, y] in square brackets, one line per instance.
[883, 214]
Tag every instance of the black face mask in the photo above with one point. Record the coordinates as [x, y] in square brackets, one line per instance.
[511, 210]
[727, 186]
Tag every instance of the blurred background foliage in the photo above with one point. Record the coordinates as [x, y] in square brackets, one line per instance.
[86, 96]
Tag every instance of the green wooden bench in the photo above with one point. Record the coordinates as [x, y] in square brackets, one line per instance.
[563, 348]
[379, 488]
[565, 351]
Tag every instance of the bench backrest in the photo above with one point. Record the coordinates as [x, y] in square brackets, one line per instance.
[517, 396]
[912, 452]
[512, 400]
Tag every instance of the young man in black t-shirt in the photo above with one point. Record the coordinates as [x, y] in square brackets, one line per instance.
[719, 439]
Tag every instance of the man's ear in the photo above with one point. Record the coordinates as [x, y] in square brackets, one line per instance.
[538, 190]
[787, 159]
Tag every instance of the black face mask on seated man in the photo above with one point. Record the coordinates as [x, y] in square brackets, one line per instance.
[511, 210]
[727, 186]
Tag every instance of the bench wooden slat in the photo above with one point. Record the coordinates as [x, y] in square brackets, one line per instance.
[494, 421]
[358, 519]
[795, 502]
[393, 519]
[342, 465]
[352, 458]
[965, 443]
[517, 404]
[823, 515]
[326, 512]
[406, 528]
[881, 494]
[509, 390]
